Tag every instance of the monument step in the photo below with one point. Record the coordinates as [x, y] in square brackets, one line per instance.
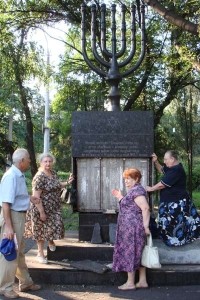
[64, 274]
[180, 266]
[187, 254]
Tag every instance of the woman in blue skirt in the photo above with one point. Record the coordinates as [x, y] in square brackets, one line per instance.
[178, 219]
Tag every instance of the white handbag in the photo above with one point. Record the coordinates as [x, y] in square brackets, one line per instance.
[150, 255]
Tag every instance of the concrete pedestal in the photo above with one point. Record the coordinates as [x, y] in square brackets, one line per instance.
[187, 254]
[180, 266]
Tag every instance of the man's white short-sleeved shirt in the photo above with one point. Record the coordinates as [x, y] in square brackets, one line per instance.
[13, 190]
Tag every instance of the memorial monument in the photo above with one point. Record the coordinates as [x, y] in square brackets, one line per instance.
[104, 143]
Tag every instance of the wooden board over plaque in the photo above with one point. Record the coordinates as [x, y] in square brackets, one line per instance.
[112, 134]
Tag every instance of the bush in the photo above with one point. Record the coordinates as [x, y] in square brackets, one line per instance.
[70, 219]
[196, 177]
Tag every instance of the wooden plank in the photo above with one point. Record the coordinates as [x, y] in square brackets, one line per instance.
[96, 177]
[88, 184]
[111, 170]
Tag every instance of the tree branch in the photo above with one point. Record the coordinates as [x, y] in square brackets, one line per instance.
[174, 18]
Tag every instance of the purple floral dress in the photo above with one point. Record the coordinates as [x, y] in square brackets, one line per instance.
[130, 235]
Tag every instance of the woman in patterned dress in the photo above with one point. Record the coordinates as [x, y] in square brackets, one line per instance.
[132, 228]
[44, 220]
[178, 219]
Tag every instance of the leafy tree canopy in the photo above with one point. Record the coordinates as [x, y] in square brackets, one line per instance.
[171, 64]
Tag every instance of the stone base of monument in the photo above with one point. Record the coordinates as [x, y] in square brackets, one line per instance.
[89, 222]
[187, 254]
[104, 231]
[76, 262]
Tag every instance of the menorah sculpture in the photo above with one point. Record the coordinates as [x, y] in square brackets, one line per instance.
[108, 63]
[101, 143]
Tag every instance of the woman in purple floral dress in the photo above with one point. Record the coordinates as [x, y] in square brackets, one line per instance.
[132, 228]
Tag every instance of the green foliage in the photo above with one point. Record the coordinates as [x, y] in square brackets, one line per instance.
[70, 218]
[29, 181]
[20, 63]
[168, 68]
[63, 175]
[196, 198]
[1, 173]
[196, 175]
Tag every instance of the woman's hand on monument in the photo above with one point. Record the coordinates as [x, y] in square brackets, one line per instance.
[70, 179]
[154, 157]
[149, 188]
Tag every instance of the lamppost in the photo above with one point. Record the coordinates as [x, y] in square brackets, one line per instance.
[110, 63]
[46, 129]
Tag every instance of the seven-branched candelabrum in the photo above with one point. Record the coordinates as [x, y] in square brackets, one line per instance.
[111, 64]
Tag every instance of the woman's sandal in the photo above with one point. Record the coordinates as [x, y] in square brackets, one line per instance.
[42, 259]
[126, 287]
[52, 247]
[141, 287]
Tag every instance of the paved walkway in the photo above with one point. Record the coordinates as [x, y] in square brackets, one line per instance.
[83, 292]
[58, 292]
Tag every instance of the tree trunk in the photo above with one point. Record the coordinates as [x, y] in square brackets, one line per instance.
[190, 140]
[19, 74]
[29, 125]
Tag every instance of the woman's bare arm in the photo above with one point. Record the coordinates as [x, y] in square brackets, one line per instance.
[141, 201]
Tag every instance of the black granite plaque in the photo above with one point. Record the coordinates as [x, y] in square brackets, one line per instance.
[112, 134]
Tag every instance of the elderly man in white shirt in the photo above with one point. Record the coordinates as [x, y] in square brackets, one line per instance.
[14, 202]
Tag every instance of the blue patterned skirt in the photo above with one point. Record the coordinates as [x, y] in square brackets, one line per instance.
[178, 222]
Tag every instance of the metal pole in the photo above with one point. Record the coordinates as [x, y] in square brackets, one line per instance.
[46, 114]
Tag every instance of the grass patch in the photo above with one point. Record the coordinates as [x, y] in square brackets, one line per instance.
[196, 198]
[70, 218]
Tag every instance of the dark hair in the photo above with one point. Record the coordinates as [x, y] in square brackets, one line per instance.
[133, 173]
[173, 154]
